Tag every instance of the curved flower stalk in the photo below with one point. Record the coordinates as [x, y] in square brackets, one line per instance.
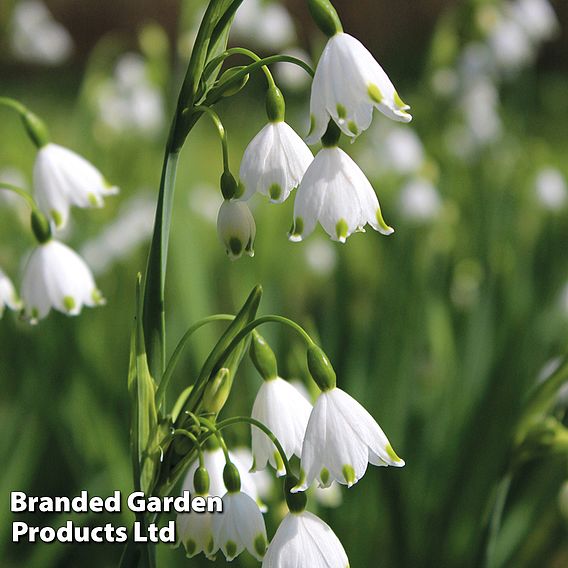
[302, 539]
[236, 228]
[347, 85]
[274, 162]
[57, 277]
[336, 193]
[8, 296]
[286, 412]
[62, 178]
[341, 439]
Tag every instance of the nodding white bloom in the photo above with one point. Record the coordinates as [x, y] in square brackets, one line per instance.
[341, 439]
[8, 296]
[214, 463]
[285, 412]
[195, 532]
[236, 228]
[302, 539]
[62, 178]
[347, 85]
[335, 192]
[420, 201]
[537, 17]
[57, 277]
[274, 162]
[240, 526]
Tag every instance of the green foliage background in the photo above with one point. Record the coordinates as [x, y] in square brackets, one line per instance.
[445, 376]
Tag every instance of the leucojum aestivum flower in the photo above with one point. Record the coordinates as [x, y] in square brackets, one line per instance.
[329, 441]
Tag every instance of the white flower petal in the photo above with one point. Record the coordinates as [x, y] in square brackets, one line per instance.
[236, 228]
[8, 296]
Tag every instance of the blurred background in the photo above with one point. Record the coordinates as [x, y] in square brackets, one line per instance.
[441, 330]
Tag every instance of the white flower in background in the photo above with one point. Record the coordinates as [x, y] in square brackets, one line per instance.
[263, 24]
[262, 480]
[204, 200]
[321, 257]
[510, 44]
[62, 178]
[236, 228]
[240, 526]
[8, 296]
[291, 76]
[57, 277]
[341, 439]
[347, 85]
[16, 177]
[420, 200]
[404, 150]
[132, 227]
[274, 162]
[335, 192]
[444, 82]
[551, 189]
[302, 539]
[285, 412]
[214, 463]
[536, 17]
[36, 37]
[130, 101]
[480, 108]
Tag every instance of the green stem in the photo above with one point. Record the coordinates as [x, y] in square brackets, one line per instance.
[220, 129]
[496, 519]
[249, 420]
[174, 359]
[216, 431]
[21, 192]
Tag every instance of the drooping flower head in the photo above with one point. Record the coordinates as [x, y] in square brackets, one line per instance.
[57, 277]
[347, 85]
[62, 178]
[236, 228]
[335, 192]
[302, 539]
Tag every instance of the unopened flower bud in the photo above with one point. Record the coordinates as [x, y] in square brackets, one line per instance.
[217, 391]
[275, 105]
[263, 357]
[236, 86]
[201, 481]
[232, 478]
[36, 129]
[325, 17]
[236, 228]
[320, 368]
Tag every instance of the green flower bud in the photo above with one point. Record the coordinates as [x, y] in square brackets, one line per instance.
[217, 391]
[201, 481]
[236, 86]
[325, 17]
[263, 357]
[35, 128]
[232, 478]
[296, 501]
[40, 227]
[229, 185]
[332, 135]
[275, 104]
[321, 369]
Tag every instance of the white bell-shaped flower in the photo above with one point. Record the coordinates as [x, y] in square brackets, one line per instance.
[341, 439]
[57, 277]
[280, 407]
[302, 539]
[62, 178]
[195, 532]
[335, 192]
[274, 162]
[214, 462]
[236, 228]
[8, 296]
[240, 526]
[347, 85]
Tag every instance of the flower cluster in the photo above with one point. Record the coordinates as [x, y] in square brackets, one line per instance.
[54, 275]
[335, 440]
[331, 189]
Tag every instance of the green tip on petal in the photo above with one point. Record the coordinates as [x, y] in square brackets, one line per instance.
[57, 218]
[278, 461]
[348, 474]
[341, 230]
[324, 476]
[93, 200]
[375, 93]
[341, 111]
[231, 548]
[353, 128]
[209, 546]
[312, 124]
[275, 192]
[97, 297]
[235, 247]
[392, 454]
[69, 303]
[383, 227]
[399, 102]
[260, 545]
[190, 547]
[297, 230]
